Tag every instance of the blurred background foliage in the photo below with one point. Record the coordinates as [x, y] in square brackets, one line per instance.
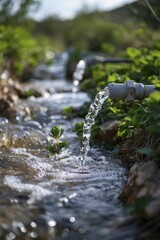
[25, 41]
[111, 32]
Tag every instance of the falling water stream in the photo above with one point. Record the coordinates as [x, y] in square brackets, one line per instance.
[90, 120]
[47, 199]
[93, 109]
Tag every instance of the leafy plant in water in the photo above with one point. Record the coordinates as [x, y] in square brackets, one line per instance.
[56, 132]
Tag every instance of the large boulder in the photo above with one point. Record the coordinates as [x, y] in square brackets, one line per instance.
[143, 181]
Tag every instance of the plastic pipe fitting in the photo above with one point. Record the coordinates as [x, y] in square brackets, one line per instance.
[129, 90]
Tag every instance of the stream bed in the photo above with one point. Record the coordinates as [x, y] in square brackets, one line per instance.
[47, 198]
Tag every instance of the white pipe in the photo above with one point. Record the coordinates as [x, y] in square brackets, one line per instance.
[129, 90]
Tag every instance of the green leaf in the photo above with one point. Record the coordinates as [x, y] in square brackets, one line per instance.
[56, 132]
[146, 151]
[154, 97]
[57, 147]
[128, 119]
[67, 110]
[113, 77]
[122, 132]
[53, 149]
[78, 128]
[114, 110]
[62, 145]
[133, 52]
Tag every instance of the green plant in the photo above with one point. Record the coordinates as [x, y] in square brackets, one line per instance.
[96, 132]
[29, 93]
[19, 52]
[144, 116]
[154, 113]
[68, 112]
[136, 119]
[13, 11]
[138, 206]
[71, 112]
[140, 116]
[56, 132]
[78, 128]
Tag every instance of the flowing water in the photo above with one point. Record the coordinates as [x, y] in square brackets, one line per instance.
[90, 120]
[78, 74]
[46, 199]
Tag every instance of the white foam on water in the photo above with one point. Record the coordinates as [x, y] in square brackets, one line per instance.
[35, 192]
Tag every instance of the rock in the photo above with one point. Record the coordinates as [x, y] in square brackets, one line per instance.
[33, 124]
[153, 209]
[110, 129]
[3, 121]
[143, 181]
[17, 137]
[8, 98]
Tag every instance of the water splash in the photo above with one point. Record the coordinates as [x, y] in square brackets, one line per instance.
[78, 74]
[36, 192]
[90, 120]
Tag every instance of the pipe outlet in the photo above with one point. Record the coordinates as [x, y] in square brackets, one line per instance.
[129, 90]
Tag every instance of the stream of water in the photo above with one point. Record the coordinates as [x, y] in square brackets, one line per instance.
[47, 199]
[90, 120]
[78, 75]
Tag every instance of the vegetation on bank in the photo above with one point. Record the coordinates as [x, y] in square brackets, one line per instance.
[140, 120]
[20, 51]
[108, 32]
[25, 42]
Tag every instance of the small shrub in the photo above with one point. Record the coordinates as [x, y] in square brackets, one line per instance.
[56, 132]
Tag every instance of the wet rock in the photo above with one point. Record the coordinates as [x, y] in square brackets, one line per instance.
[20, 137]
[27, 90]
[143, 180]
[29, 93]
[33, 124]
[9, 166]
[110, 129]
[12, 107]
[6, 108]
[153, 208]
[3, 121]
[15, 219]
[142, 193]
[123, 221]
[8, 99]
